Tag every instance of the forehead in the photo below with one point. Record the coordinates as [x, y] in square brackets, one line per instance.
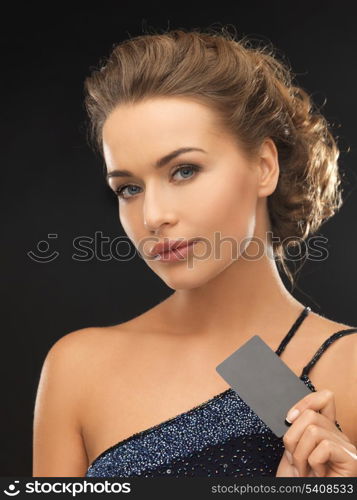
[159, 124]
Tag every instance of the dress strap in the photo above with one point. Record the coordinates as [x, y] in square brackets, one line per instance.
[324, 346]
[293, 329]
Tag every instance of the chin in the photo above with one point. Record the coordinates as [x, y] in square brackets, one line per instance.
[188, 277]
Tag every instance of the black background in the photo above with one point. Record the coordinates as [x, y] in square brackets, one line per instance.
[52, 183]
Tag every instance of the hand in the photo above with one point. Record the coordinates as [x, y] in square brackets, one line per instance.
[316, 446]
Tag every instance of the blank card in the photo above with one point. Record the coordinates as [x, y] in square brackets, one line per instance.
[264, 382]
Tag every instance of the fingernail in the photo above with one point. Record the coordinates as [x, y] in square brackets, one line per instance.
[292, 414]
[295, 472]
[289, 456]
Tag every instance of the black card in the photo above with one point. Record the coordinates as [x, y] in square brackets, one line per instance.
[264, 382]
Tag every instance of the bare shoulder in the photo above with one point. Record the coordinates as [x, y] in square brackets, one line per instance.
[64, 388]
[336, 370]
[339, 356]
[72, 354]
[325, 328]
[58, 448]
[98, 352]
[84, 340]
[69, 355]
[72, 343]
[86, 350]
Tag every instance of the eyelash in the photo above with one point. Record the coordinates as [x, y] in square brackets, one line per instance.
[120, 189]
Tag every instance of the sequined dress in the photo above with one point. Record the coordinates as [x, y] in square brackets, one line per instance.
[220, 437]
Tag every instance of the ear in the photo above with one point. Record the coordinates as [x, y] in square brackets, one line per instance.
[268, 165]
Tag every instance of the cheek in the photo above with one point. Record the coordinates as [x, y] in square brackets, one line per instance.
[228, 207]
[131, 220]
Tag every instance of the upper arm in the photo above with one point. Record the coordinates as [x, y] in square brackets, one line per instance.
[353, 380]
[345, 374]
[58, 447]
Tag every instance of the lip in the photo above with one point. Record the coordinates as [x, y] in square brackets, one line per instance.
[179, 253]
[163, 250]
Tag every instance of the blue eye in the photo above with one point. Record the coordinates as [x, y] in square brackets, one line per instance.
[184, 168]
[120, 190]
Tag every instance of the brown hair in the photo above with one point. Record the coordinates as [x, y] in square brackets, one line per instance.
[255, 97]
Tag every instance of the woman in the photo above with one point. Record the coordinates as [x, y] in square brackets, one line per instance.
[219, 163]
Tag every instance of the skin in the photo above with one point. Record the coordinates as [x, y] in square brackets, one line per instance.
[216, 305]
[228, 195]
[313, 444]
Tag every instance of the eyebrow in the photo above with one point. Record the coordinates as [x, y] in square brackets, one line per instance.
[159, 163]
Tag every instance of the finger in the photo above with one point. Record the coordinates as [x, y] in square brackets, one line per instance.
[285, 469]
[330, 459]
[309, 440]
[309, 417]
[322, 401]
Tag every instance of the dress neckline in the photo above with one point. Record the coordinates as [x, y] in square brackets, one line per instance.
[144, 432]
[226, 392]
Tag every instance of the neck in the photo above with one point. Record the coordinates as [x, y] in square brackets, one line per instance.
[247, 298]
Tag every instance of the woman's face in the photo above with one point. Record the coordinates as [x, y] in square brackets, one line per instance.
[210, 193]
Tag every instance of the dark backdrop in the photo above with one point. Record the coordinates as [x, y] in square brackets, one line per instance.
[52, 183]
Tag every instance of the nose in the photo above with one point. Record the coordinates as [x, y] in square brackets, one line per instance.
[157, 211]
